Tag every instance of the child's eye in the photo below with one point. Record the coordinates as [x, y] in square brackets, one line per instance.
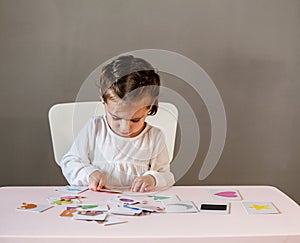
[116, 118]
[135, 120]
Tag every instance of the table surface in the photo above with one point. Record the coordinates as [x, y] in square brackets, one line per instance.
[238, 226]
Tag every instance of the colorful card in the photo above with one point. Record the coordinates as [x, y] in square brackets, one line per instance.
[72, 189]
[95, 207]
[180, 207]
[127, 200]
[149, 207]
[165, 198]
[64, 199]
[260, 208]
[68, 212]
[125, 210]
[32, 207]
[225, 195]
[70, 197]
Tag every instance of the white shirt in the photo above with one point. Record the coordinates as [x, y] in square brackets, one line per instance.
[121, 159]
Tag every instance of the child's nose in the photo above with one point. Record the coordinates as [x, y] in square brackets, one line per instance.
[125, 125]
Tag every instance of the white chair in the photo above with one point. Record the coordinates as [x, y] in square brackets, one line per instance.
[67, 119]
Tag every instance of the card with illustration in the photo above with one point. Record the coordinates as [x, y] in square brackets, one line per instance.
[125, 210]
[64, 199]
[165, 198]
[89, 215]
[180, 207]
[146, 207]
[72, 189]
[95, 207]
[260, 208]
[225, 195]
[127, 200]
[32, 207]
[214, 207]
[68, 212]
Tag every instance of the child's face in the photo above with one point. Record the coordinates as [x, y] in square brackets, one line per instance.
[127, 119]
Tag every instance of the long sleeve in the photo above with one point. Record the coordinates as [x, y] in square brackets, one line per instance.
[160, 164]
[76, 164]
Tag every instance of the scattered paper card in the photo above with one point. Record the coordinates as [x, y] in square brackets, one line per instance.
[95, 207]
[180, 207]
[165, 198]
[126, 200]
[260, 208]
[68, 212]
[123, 210]
[149, 207]
[111, 220]
[73, 189]
[214, 207]
[64, 199]
[225, 195]
[31, 207]
[89, 215]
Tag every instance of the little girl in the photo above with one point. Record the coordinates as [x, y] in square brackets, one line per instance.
[120, 149]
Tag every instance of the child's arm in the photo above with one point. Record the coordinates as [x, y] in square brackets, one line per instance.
[159, 174]
[76, 164]
[160, 170]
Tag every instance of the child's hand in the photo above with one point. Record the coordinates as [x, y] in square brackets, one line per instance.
[97, 180]
[144, 183]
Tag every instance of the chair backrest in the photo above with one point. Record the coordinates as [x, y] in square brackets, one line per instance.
[67, 119]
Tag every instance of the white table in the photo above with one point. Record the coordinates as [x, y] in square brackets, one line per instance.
[238, 226]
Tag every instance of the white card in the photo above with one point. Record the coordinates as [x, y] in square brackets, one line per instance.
[125, 210]
[165, 198]
[127, 200]
[72, 189]
[111, 220]
[31, 207]
[93, 207]
[89, 215]
[260, 208]
[214, 207]
[225, 195]
[180, 207]
[150, 207]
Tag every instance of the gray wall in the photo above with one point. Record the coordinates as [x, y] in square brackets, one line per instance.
[249, 48]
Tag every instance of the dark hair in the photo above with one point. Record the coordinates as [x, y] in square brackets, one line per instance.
[129, 76]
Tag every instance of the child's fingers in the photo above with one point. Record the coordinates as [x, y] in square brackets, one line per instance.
[93, 185]
[136, 185]
[144, 187]
[101, 183]
[149, 188]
